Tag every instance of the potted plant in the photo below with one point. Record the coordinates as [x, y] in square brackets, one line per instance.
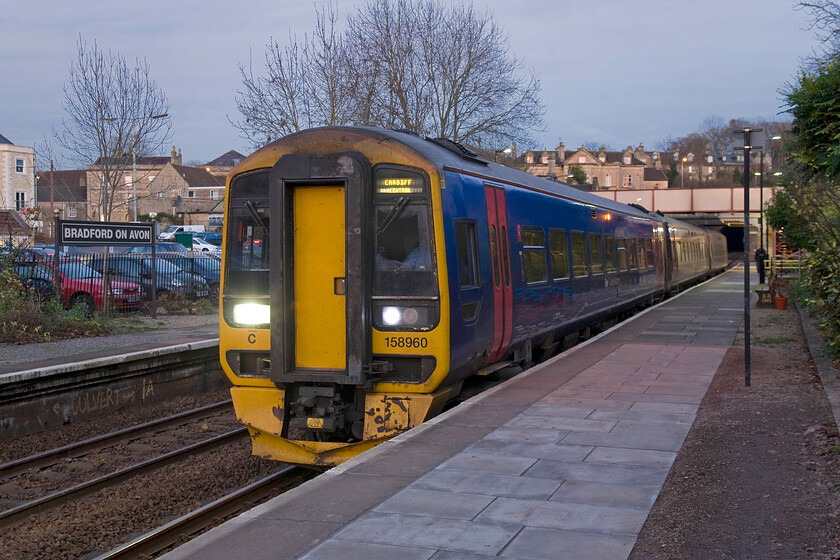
[778, 291]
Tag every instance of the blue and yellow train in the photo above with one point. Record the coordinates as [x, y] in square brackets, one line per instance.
[368, 272]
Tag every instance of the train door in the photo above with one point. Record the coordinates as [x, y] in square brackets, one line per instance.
[500, 256]
[320, 310]
[318, 261]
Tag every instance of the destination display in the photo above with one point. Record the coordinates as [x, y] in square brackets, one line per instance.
[105, 233]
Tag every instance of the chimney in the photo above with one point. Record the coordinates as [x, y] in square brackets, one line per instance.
[552, 168]
[179, 156]
[602, 154]
[172, 156]
[561, 152]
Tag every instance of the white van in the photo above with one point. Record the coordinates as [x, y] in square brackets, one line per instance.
[170, 233]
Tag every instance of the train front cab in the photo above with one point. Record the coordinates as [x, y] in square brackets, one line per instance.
[358, 337]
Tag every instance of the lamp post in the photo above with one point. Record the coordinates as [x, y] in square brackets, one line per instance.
[134, 141]
[506, 152]
[682, 173]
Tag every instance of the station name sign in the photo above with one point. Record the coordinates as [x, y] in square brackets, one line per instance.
[105, 233]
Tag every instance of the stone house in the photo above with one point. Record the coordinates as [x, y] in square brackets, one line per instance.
[17, 176]
[190, 193]
[604, 170]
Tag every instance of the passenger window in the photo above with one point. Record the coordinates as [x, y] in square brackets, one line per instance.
[609, 251]
[597, 253]
[642, 257]
[622, 254]
[579, 265]
[467, 254]
[533, 256]
[632, 255]
[651, 260]
[559, 254]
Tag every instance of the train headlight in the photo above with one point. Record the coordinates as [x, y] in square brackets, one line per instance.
[251, 313]
[405, 316]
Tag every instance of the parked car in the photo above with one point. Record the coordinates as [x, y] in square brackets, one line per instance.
[211, 237]
[207, 266]
[160, 247]
[170, 233]
[205, 247]
[168, 278]
[38, 281]
[80, 284]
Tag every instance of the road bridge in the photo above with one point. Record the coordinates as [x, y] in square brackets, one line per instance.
[720, 208]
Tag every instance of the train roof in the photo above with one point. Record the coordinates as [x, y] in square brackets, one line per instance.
[448, 155]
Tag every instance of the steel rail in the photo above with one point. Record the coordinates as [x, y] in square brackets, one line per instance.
[13, 468]
[55, 499]
[153, 542]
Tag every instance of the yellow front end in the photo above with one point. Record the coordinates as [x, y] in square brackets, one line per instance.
[390, 408]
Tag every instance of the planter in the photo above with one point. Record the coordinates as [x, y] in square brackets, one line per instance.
[780, 302]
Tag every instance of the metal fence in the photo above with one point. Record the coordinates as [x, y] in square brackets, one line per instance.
[116, 282]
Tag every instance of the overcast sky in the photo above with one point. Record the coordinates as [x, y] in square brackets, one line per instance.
[615, 72]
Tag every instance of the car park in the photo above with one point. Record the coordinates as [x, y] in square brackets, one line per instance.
[37, 280]
[142, 269]
[207, 266]
[82, 285]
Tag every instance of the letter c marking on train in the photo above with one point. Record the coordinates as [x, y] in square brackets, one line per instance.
[252, 338]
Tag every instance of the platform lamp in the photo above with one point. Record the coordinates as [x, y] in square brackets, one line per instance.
[506, 152]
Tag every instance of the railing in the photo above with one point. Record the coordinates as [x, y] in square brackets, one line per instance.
[116, 282]
[786, 266]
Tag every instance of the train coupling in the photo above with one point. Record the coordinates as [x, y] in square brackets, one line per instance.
[319, 409]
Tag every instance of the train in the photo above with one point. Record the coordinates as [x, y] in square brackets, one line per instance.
[367, 273]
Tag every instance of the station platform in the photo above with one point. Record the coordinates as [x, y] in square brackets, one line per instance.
[563, 461]
[45, 358]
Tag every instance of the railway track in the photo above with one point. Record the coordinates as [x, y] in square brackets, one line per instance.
[10, 470]
[210, 515]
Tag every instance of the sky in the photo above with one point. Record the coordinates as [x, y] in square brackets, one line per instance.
[613, 72]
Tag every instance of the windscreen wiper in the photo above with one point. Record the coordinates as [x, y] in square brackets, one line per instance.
[392, 215]
[252, 208]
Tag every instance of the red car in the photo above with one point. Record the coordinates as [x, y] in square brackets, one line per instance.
[80, 284]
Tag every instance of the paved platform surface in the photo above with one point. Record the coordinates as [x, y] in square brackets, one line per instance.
[562, 461]
[38, 359]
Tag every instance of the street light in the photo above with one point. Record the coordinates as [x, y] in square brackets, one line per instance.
[134, 153]
[506, 152]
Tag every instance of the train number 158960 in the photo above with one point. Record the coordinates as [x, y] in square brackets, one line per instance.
[406, 341]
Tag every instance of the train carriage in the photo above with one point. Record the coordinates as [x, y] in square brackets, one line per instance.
[368, 272]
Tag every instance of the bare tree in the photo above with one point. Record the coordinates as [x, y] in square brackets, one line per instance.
[716, 133]
[115, 112]
[412, 64]
[826, 14]
[304, 86]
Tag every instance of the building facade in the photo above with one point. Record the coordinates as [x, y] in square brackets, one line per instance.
[17, 176]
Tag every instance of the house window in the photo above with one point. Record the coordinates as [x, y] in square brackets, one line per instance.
[128, 180]
[20, 200]
[608, 180]
[214, 195]
[529, 159]
[19, 165]
[160, 194]
[628, 181]
[151, 178]
[71, 211]
[190, 194]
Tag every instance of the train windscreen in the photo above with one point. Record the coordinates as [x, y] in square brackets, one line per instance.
[247, 269]
[405, 263]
